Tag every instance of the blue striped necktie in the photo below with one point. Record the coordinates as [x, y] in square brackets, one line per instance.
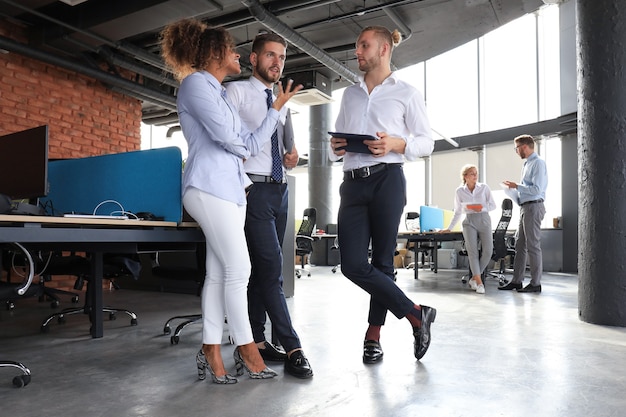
[277, 163]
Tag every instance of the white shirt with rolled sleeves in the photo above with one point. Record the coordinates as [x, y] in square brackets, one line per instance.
[395, 107]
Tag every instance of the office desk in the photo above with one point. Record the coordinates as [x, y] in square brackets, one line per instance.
[431, 237]
[97, 237]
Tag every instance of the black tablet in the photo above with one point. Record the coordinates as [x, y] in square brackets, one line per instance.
[355, 141]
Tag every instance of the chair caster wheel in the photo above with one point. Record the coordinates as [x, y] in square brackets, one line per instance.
[61, 320]
[167, 330]
[21, 381]
[174, 340]
[74, 299]
[133, 322]
[55, 304]
[112, 316]
[44, 329]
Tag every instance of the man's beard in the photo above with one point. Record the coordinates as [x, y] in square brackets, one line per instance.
[266, 76]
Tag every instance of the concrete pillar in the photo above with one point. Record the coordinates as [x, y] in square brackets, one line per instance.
[320, 174]
[569, 202]
[601, 49]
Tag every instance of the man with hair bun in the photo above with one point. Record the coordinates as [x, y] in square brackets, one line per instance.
[373, 193]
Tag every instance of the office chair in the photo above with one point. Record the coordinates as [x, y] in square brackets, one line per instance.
[501, 248]
[12, 261]
[9, 292]
[304, 241]
[115, 266]
[502, 245]
[48, 293]
[425, 249]
[188, 266]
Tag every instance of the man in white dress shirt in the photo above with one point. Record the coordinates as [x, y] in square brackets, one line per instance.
[266, 215]
[373, 193]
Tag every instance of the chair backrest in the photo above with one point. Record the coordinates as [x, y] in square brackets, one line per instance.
[499, 235]
[411, 220]
[309, 218]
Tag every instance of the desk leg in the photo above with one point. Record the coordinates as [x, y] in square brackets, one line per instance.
[434, 259]
[96, 315]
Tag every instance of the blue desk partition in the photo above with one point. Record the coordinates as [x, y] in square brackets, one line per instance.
[141, 181]
[431, 218]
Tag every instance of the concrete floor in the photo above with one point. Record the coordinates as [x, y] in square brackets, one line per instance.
[498, 354]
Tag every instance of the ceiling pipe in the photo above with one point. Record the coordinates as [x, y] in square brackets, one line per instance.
[134, 66]
[138, 53]
[273, 23]
[395, 18]
[381, 6]
[147, 94]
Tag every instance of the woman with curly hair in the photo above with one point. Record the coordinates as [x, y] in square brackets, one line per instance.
[215, 182]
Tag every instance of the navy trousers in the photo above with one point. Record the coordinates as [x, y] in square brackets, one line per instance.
[266, 219]
[371, 209]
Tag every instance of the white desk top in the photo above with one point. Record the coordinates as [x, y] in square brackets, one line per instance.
[9, 218]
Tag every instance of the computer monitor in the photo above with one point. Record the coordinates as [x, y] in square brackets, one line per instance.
[24, 164]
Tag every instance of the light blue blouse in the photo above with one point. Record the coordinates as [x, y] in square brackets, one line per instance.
[218, 141]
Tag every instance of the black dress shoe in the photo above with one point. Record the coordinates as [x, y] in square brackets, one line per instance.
[272, 353]
[531, 288]
[422, 334]
[298, 365]
[372, 352]
[511, 286]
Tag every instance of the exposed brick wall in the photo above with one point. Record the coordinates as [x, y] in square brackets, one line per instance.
[84, 118]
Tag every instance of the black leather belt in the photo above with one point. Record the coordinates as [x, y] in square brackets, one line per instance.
[366, 171]
[532, 202]
[266, 179]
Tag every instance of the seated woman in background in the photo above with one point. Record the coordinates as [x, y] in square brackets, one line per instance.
[474, 199]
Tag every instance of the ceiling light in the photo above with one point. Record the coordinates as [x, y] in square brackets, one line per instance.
[73, 2]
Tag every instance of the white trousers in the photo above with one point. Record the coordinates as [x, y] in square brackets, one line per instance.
[224, 293]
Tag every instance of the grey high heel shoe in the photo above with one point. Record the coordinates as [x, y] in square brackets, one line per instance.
[203, 365]
[240, 365]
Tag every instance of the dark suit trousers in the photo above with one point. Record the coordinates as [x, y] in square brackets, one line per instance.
[371, 208]
[266, 219]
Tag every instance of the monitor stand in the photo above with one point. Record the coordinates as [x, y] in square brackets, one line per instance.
[5, 204]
